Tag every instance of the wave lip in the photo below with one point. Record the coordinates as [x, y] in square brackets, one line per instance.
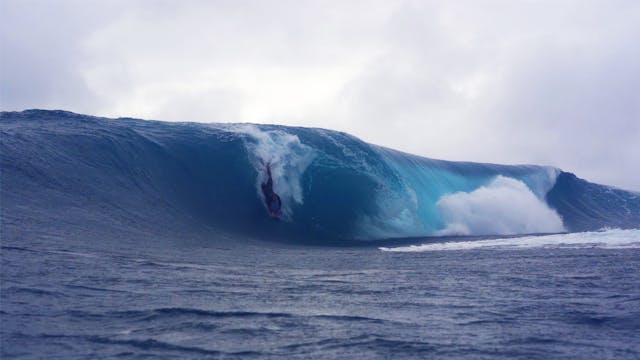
[605, 239]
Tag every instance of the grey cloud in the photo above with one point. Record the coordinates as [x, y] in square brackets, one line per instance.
[40, 53]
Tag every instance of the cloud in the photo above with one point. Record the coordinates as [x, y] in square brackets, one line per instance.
[497, 81]
[41, 53]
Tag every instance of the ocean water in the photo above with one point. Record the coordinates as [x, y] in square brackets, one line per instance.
[253, 299]
[142, 239]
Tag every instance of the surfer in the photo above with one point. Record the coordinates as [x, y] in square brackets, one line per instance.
[270, 197]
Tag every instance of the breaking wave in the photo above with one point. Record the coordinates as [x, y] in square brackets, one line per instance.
[81, 175]
[505, 206]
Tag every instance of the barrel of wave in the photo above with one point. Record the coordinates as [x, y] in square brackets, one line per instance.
[438, 198]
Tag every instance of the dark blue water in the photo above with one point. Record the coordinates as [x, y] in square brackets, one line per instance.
[265, 300]
[131, 238]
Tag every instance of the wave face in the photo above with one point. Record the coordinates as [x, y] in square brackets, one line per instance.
[71, 174]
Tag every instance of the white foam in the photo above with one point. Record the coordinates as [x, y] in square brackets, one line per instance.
[505, 206]
[288, 158]
[605, 239]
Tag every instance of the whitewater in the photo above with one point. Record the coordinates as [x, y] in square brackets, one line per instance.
[136, 238]
[605, 239]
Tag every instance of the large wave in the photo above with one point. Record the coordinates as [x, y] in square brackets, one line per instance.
[74, 174]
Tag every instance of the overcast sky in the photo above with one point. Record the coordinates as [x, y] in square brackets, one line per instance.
[544, 82]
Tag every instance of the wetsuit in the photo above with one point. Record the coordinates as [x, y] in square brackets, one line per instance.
[270, 197]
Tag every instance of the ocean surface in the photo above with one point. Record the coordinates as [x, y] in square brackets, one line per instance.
[141, 239]
[530, 298]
